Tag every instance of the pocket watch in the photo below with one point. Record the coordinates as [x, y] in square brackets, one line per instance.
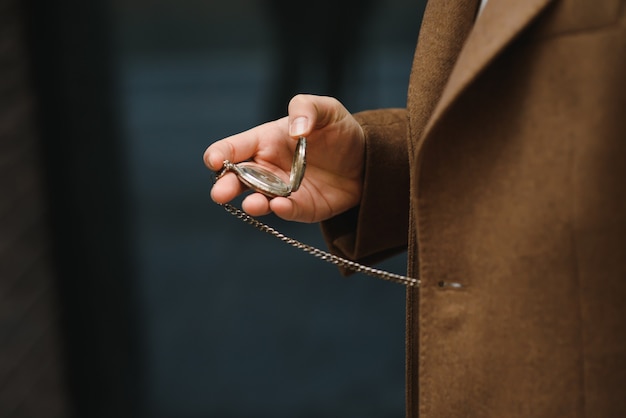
[264, 181]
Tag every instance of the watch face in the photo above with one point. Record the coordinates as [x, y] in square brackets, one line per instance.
[262, 180]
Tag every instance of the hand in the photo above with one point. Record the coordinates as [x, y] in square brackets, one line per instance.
[334, 172]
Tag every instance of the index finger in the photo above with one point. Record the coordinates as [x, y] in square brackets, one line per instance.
[238, 147]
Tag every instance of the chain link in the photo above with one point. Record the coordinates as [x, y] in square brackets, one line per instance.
[322, 255]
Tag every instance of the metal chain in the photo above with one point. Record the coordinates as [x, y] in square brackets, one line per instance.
[323, 255]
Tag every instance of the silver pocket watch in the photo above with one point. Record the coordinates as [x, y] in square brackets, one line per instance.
[264, 181]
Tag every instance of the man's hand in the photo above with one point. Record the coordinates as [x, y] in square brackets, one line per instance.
[334, 171]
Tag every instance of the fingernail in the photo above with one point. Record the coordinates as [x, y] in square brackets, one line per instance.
[299, 126]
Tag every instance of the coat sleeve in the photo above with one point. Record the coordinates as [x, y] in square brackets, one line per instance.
[378, 227]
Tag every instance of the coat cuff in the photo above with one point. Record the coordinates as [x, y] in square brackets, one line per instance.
[378, 227]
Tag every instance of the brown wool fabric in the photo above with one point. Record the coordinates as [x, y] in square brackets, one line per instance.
[513, 160]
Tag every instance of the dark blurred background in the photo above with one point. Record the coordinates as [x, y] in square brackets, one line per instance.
[157, 303]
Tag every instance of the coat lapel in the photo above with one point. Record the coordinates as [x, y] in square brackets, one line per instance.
[499, 23]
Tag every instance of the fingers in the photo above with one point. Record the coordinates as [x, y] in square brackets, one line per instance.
[284, 208]
[226, 188]
[256, 205]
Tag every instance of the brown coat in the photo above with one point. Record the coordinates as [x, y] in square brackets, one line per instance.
[514, 196]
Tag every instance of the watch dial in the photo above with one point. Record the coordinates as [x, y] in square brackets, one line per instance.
[262, 180]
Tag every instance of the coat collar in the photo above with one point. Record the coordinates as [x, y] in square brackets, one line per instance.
[499, 23]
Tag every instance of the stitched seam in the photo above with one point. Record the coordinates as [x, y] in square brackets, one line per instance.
[410, 340]
[425, 385]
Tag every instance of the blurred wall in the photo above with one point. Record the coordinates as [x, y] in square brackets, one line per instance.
[33, 378]
[72, 68]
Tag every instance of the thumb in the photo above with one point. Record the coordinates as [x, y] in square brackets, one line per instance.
[299, 126]
[308, 112]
